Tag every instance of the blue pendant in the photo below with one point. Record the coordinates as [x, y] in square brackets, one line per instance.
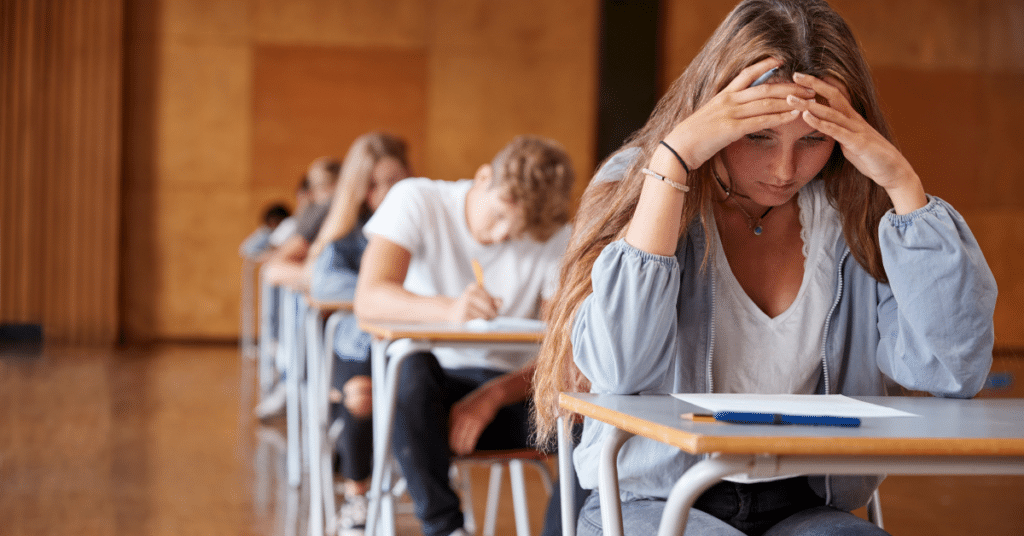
[757, 230]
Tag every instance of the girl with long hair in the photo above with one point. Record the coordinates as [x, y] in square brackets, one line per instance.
[762, 234]
[375, 162]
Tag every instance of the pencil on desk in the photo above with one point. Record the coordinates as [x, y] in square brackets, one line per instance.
[478, 272]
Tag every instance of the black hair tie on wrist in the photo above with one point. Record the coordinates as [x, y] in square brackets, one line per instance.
[675, 154]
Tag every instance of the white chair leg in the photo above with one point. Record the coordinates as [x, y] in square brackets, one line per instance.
[515, 471]
[493, 498]
[462, 475]
[875, 509]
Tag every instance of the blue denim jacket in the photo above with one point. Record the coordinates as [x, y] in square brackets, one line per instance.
[334, 279]
[647, 328]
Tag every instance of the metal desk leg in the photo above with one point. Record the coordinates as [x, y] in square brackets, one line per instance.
[314, 357]
[608, 479]
[383, 422]
[245, 335]
[266, 352]
[327, 447]
[695, 481]
[289, 345]
[565, 470]
[378, 365]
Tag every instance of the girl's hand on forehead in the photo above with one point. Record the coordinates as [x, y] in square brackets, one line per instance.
[862, 145]
[736, 111]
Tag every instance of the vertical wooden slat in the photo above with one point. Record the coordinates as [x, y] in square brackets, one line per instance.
[7, 15]
[26, 116]
[51, 140]
[114, 31]
[60, 180]
[75, 47]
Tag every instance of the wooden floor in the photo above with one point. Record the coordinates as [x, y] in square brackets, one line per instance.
[160, 441]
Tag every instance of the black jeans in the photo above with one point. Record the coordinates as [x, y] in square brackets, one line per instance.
[426, 394]
[355, 444]
[756, 507]
[780, 508]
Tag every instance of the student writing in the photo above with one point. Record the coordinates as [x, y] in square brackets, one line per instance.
[418, 268]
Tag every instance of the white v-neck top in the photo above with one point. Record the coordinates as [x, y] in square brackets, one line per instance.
[754, 353]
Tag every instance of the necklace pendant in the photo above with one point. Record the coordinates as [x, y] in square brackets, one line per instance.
[757, 230]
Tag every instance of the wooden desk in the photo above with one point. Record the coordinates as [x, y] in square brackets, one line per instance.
[948, 437]
[384, 371]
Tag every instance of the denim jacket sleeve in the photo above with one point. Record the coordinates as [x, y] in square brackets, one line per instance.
[337, 268]
[623, 330]
[935, 317]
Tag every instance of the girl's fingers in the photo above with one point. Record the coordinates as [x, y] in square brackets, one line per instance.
[751, 73]
[828, 128]
[829, 121]
[821, 111]
[836, 96]
[762, 122]
[771, 92]
[763, 107]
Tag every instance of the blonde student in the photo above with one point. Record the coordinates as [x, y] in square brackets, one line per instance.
[762, 234]
[419, 267]
[375, 162]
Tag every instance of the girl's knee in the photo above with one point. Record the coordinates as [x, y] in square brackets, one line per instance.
[358, 396]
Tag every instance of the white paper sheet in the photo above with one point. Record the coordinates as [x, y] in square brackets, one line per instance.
[505, 323]
[809, 405]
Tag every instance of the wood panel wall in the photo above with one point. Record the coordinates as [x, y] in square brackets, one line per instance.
[60, 140]
[949, 76]
[211, 138]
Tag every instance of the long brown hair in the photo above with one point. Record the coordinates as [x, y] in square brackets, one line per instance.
[808, 37]
[355, 176]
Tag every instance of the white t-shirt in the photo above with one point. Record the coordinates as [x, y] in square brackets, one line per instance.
[428, 218]
[757, 354]
[283, 231]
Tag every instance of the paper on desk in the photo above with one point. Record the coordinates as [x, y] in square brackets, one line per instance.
[505, 323]
[809, 405]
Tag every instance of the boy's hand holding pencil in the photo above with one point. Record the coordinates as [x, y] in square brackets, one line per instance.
[474, 302]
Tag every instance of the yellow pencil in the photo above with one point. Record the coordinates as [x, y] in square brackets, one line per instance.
[479, 272]
[699, 417]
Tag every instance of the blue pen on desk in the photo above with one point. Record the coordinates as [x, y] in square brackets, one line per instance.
[742, 417]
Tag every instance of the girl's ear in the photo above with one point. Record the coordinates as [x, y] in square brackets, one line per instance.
[484, 174]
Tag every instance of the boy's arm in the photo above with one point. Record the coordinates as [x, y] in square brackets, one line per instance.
[380, 294]
[285, 265]
[471, 414]
[294, 249]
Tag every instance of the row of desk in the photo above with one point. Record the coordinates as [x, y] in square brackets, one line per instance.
[385, 380]
[310, 354]
[945, 437]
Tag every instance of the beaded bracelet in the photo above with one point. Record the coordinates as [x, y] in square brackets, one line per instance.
[675, 154]
[681, 187]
